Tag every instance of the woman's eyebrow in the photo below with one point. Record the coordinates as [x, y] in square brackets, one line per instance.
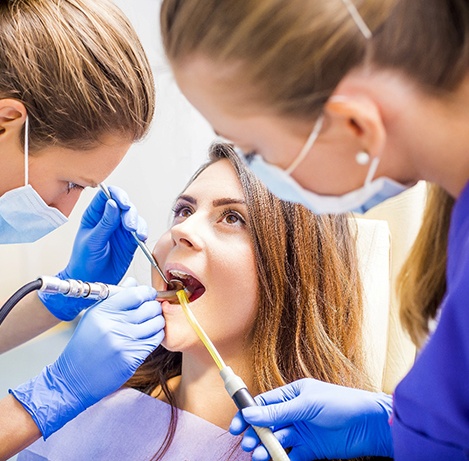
[228, 201]
[187, 198]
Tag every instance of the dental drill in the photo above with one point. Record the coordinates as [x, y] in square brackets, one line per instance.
[72, 288]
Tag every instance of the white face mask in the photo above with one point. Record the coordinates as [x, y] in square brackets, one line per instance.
[24, 216]
[280, 183]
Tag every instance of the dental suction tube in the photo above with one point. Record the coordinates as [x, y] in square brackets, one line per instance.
[238, 391]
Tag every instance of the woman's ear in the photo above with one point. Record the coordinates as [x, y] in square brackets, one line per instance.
[12, 118]
[361, 118]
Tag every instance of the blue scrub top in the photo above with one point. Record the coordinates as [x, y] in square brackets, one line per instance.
[431, 404]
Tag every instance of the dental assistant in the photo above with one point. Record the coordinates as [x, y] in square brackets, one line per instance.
[76, 90]
[340, 105]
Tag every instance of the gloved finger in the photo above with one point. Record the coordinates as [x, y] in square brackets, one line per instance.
[260, 454]
[250, 440]
[107, 224]
[129, 282]
[128, 299]
[143, 348]
[238, 424]
[274, 414]
[142, 229]
[285, 436]
[121, 197]
[280, 394]
[94, 211]
[146, 329]
[145, 312]
[130, 218]
[288, 436]
[154, 341]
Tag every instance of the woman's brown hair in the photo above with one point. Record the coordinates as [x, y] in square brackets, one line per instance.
[79, 69]
[310, 296]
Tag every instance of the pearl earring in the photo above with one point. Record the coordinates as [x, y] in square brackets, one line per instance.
[362, 158]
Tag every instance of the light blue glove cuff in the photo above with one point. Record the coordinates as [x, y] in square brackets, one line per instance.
[62, 307]
[49, 402]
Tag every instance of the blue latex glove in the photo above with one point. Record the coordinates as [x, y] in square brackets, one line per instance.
[103, 249]
[319, 421]
[111, 341]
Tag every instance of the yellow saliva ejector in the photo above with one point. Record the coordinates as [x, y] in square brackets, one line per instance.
[234, 385]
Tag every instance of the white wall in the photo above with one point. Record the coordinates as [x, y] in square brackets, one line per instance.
[153, 172]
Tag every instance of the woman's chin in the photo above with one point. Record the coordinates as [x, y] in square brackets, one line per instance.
[178, 338]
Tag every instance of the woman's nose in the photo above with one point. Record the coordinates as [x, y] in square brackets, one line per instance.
[188, 233]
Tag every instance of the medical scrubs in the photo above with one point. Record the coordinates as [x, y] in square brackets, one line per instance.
[129, 425]
[431, 405]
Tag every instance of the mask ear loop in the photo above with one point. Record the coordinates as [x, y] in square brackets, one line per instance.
[357, 19]
[307, 147]
[26, 151]
[371, 172]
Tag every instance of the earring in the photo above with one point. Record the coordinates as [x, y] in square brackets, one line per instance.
[362, 158]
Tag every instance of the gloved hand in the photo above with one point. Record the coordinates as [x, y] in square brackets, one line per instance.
[319, 421]
[103, 249]
[111, 341]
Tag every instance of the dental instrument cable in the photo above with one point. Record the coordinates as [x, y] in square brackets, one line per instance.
[234, 385]
[72, 288]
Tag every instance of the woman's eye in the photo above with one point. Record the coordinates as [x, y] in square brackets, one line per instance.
[182, 211]
[233, 217]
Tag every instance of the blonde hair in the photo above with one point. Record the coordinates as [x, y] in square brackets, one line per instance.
[421, 283]
[313, 312]
[291, 55]
[79, 69]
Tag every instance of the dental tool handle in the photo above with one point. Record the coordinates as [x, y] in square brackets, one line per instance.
[141, 244]
[77, 289]
[72, 288]
[149, 256]
[238, 391]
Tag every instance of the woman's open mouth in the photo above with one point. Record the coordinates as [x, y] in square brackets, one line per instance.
[189, 282]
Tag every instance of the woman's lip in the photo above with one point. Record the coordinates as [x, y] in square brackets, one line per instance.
[169, 308]
[197, 294]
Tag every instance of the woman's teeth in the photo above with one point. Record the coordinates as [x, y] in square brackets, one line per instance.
[191, 283]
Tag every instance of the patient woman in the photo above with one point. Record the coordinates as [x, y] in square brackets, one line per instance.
[277, 290]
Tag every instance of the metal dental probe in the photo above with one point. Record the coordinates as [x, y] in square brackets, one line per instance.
[173, 284]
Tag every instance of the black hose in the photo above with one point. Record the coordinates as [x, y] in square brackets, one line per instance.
[17, 296]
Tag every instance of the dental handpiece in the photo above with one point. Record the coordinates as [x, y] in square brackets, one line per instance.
[98, 291]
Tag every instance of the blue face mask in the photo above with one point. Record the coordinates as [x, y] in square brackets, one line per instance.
[280, 183]
[24, 216]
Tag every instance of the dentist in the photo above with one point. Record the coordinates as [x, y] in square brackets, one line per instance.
[340, 105]
[76, 91]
